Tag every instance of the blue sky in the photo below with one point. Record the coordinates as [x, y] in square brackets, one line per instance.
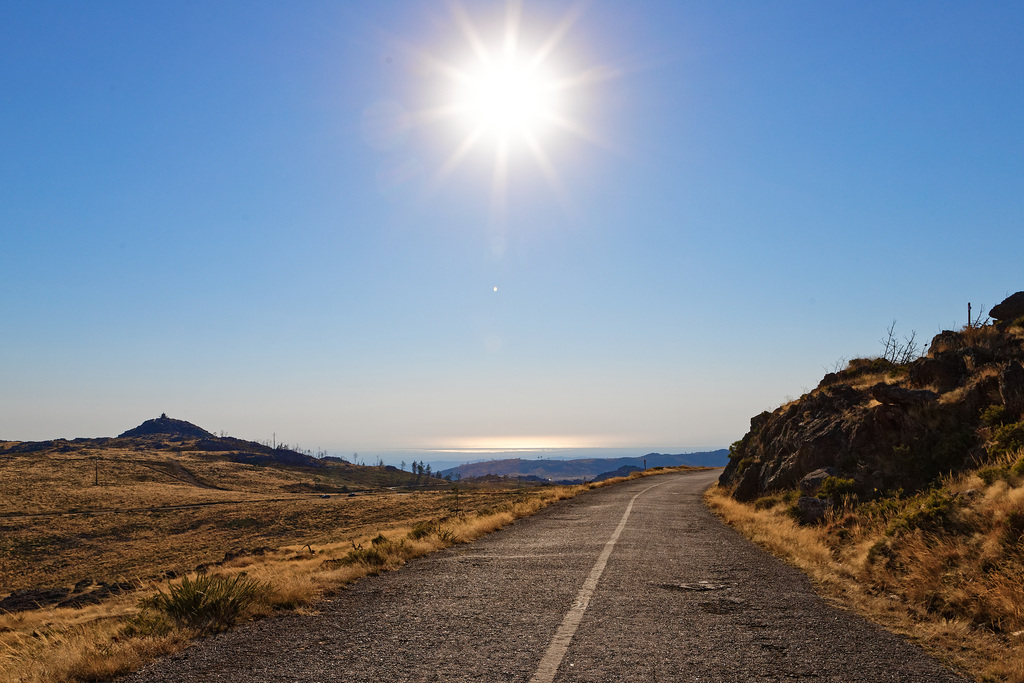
[239, 214]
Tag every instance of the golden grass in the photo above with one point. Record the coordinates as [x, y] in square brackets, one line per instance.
[381, 534]
[939, 568]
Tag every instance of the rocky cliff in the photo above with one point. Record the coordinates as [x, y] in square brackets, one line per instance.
[879, 426]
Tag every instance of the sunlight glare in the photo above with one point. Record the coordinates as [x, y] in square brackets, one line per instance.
[509, 97]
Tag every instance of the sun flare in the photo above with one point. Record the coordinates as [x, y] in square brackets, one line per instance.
[510, 97]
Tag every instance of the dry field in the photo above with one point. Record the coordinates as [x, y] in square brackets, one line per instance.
[142, 521]
[58, 528]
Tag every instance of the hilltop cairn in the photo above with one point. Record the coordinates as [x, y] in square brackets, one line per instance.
[880, 425]
[167, 426]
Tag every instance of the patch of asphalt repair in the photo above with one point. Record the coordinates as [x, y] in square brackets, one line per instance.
[680, 597]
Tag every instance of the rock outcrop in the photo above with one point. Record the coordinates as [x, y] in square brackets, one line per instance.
[1010, 308]
[885, 426]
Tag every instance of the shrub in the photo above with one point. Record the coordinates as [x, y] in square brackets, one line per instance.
[208, 603]
[147, 624]
[991, 474]
[883, 508]
[371, 557]
[744, 464]
[861, 366]
[773, 499]
[994, 416]
[933, 514]
[881, 551]
[834, 487]
[1018, 467]
[1008, 438]
[422, 529]
[1014, 526]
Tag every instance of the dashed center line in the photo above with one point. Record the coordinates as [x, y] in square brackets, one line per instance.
[559, 644]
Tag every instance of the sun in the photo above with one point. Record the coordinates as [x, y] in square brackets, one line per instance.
[511, 97]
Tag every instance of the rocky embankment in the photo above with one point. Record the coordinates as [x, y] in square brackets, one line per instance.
[878, 425]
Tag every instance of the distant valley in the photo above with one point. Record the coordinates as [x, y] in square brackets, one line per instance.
[583, 468]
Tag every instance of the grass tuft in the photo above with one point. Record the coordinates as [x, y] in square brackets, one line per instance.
[206, 604]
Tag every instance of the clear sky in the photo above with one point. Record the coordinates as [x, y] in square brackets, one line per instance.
[296, 218]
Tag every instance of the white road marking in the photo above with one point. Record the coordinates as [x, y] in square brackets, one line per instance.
[552, 659]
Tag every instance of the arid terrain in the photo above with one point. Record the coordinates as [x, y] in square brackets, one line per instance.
[76, 512]
[94, 531]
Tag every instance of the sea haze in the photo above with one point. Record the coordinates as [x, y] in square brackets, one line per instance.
[442, 459]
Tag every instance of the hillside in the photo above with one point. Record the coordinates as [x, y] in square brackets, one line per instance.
[582, 468]
[887, 425]
[166, 451]
[174, 496]
[898, 483]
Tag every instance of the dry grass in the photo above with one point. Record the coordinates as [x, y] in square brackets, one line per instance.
[154, 511]
[318, 546]
[945, 567]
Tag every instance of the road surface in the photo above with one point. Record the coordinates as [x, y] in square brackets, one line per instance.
[633, 582]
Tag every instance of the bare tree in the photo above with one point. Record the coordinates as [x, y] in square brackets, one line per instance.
[900, 352]
[838, 366]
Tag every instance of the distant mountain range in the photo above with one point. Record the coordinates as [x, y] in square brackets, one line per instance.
[584, 468]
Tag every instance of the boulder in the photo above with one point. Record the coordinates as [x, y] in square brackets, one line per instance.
[812, 510]
[1010, 308]
[945, 341]
[811, 482]
[946, 371]
[828, 379]
[749, 485]
[1011, 388]
[889, 394]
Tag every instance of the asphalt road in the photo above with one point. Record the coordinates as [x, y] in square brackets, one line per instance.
[634, 582]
